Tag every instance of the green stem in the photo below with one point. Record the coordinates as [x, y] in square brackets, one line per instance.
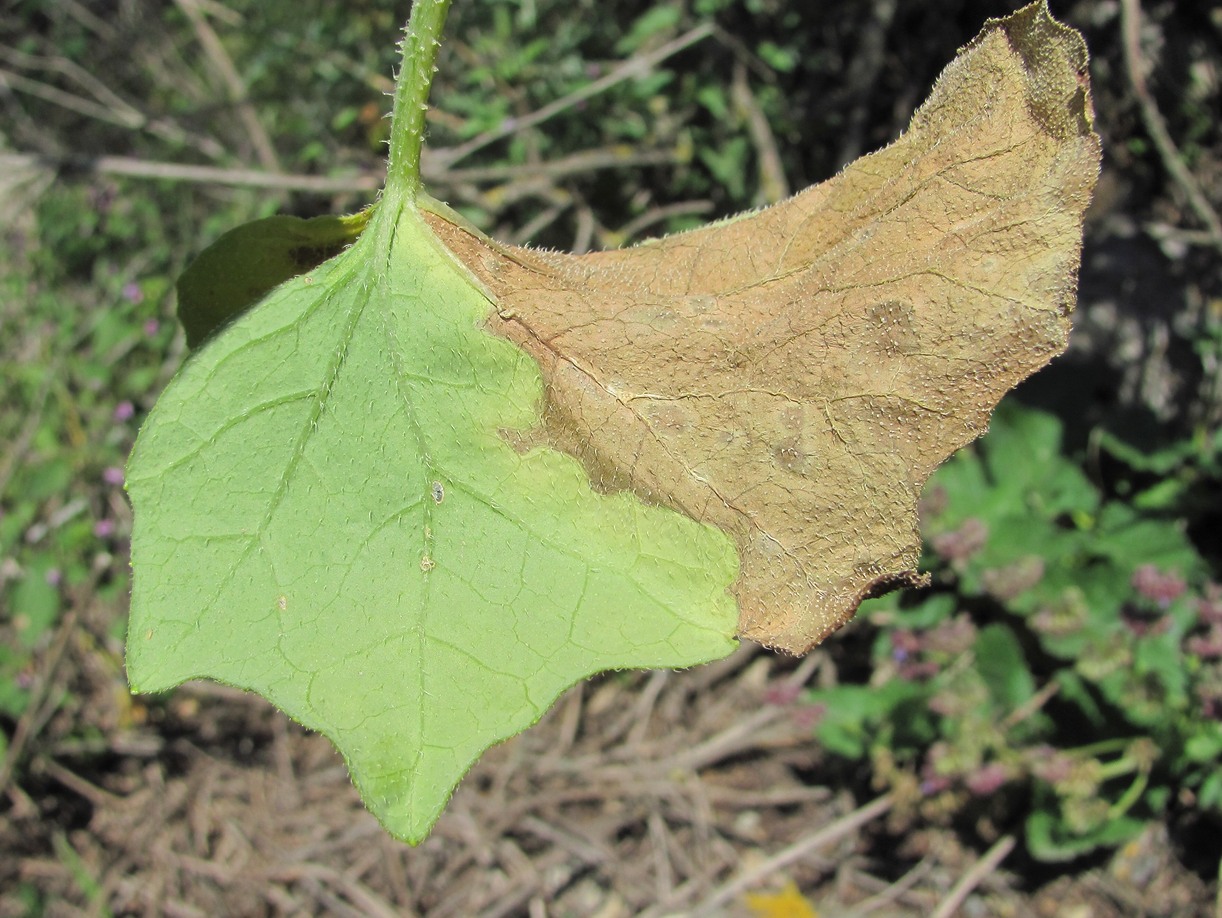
[1117, 767]
[1131, 796]
[423, 36]
[1103, 747]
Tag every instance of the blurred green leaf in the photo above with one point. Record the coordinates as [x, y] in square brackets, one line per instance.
[246, 263]
[1001, 663]
[854, 715]
[659, 21]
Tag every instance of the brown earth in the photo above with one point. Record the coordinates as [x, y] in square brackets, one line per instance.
[651, 793]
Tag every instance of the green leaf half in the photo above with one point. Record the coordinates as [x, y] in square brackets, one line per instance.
[394, 574]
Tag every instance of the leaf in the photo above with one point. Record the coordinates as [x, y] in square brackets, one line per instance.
[244, 264]
[1028, 470]
[1001, 663]
[355, 498]
[326, 514]
[792, 377]
[854, 715]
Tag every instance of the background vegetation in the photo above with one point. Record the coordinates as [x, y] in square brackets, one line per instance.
[1057, 695]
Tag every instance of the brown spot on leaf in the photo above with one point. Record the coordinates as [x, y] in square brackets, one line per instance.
[793, 376]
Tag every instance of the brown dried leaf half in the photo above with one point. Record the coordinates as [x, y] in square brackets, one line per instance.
[793, 376]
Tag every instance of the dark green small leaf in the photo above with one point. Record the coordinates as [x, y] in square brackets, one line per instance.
[933, 611]
[1074, 691]
[853, 714]
[1205, 746]
[1000, 661]
[35, 604]
[246, 263]
[1130, 540]
[654, 25]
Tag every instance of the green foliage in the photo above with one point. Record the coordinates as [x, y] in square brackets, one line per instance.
[85, 339]
[1066, 671]
[495, 70]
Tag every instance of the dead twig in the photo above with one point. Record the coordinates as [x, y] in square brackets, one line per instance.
[366, 182]
[636, 227]
[631, 69]
[95, 24]
[368, 902]
[102, 94]
[800, 849]
[1156, 127]
[43, 703]
[894, 891]
[970, 880]
[583, 162]
[743, 734]
[542, 221]
[78, 785]
[223, 66]
[643, 709]
[209, 175]
[1031, 705]
[1218, 900]
[124, 116]
[773, 186]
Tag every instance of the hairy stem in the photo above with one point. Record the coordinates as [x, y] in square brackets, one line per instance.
[419, 46]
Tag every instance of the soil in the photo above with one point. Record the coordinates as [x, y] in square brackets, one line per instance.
[644, 793]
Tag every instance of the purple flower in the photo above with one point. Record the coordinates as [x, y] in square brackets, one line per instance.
[951, 638]
[904, 645]
[1067, 614]
[1144, 621]
[151, 327]
[807, 716]
[112, 475]
[781, 693]
[1209, 693]
[906, 650]
[104, 529]
[1011, 581]
[934, 785]
[1051, 766]
[961, 544]
[988, 779]
[933, 781]
[1209, 606]
[124, 411]
[54, 576]
[132, 293]
[1208, 646]
[933, 503]
[1162, 589]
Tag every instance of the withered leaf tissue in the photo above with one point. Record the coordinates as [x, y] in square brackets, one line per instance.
[794, 375]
